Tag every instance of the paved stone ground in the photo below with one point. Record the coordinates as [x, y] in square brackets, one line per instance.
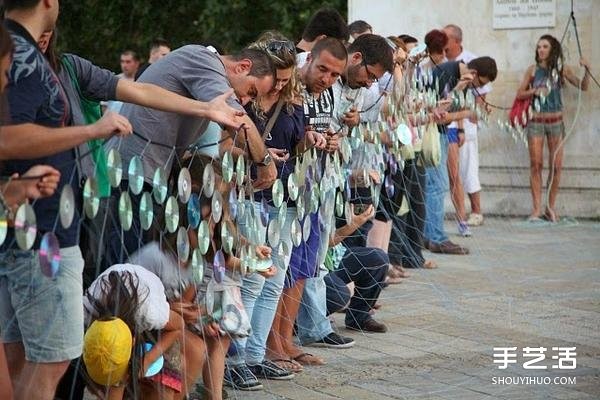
[521, 286]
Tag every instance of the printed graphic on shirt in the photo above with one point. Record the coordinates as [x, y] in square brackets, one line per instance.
[318, 111]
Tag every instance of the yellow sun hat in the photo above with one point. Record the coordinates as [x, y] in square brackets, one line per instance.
[107, 349]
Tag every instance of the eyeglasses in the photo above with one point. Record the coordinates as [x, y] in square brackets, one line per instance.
[276, 46]
[370, 76]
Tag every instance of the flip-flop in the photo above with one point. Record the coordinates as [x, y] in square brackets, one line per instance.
[535, 220]
[289, 364]
[308, 359]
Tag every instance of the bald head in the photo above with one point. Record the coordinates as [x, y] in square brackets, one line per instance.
[454, 46]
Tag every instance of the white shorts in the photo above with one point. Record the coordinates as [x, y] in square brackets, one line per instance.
[469, 165]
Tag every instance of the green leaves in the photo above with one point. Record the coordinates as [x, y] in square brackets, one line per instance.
[99, 30]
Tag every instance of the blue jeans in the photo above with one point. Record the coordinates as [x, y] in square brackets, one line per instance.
[261, 296]
[312, 321]
[435, 190]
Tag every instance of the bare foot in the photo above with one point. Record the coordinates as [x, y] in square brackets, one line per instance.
[551, 215]
[399, 271]
[430, 264]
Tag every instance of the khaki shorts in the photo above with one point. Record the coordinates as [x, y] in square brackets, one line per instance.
[541, 128]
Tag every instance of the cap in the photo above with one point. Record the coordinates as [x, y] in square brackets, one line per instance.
[107, 349]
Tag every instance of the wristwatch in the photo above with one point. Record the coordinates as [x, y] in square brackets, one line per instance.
[266, 161]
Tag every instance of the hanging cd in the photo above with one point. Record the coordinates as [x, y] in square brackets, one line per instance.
[262, 264]
[91, 201]
[159, 185]
[300, 209]
[241, 203]
[233, 203]
[49, 255]
[193, 211]
[184, 185]
[146, 211]
[292, 185]
[136, 175]
[227, 167]
[277, 193]
[296, 232]
[240, 171]
[125, 211]
[208, 181]
[264, 212]
[66, 206]
[389, 186]
[348, 213]
[203, 237]
[226, 238]
[306, 228]
[273, 233]
[171, 214]
[219, 266]
[282, 214]
[404, 134]
[114, 167]
[339, 204]
[418, 49]
[25, 226]
[3, 224]
[183, 244]
[217, 206]
[197, 266]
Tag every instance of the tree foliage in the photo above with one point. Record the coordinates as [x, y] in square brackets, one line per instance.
[99, 30]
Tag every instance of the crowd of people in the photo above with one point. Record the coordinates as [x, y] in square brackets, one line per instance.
[201, 217]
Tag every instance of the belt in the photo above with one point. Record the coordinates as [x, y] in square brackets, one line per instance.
[542, 120]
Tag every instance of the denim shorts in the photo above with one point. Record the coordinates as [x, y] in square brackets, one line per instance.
[542, 128]
[452, 135]
[45, 314]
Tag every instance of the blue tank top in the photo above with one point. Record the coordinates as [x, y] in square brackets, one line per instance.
[553, 101]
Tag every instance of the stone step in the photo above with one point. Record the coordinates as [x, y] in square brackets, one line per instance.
[515, 201]
[571, 178]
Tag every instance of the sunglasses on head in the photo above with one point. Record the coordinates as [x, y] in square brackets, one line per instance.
[276, 46]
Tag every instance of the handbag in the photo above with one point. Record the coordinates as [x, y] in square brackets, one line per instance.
[224, 305]
[518, 114]
[431, 146]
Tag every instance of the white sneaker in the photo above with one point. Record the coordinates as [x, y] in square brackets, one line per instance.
[463, 230]
[475, 219]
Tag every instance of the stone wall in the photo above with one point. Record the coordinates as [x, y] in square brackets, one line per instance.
[504, 163]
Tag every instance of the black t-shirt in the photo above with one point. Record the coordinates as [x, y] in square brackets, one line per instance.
[448, 75]
[318, 112]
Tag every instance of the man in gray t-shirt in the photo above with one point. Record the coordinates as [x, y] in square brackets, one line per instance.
[192, 71]
[195, 72]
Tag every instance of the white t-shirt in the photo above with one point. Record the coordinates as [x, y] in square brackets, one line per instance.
[153, 308]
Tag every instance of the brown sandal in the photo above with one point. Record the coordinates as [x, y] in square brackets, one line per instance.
[308, 359]
[289, 365]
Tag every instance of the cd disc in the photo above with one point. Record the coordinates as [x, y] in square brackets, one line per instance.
[277, 192]
[3, 224]
[219, 266]
[273, 233]
[227, 167]
[306, 228]
[240, 171]
[226, 238]
[91, 201]
[25, 226]
[197, 266]
[49, 255]
[136, 175]
[183, 244]
[114, 167]
[66, 206]
[203, 237]
[404, 134]
[208, 181]
[184, 185]
[339, 204]
[389, 186]
[125, 211]
[217, 206]
[171, 214]
[159, 185]
[193, 211]
[233, 203]
[146, 211]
